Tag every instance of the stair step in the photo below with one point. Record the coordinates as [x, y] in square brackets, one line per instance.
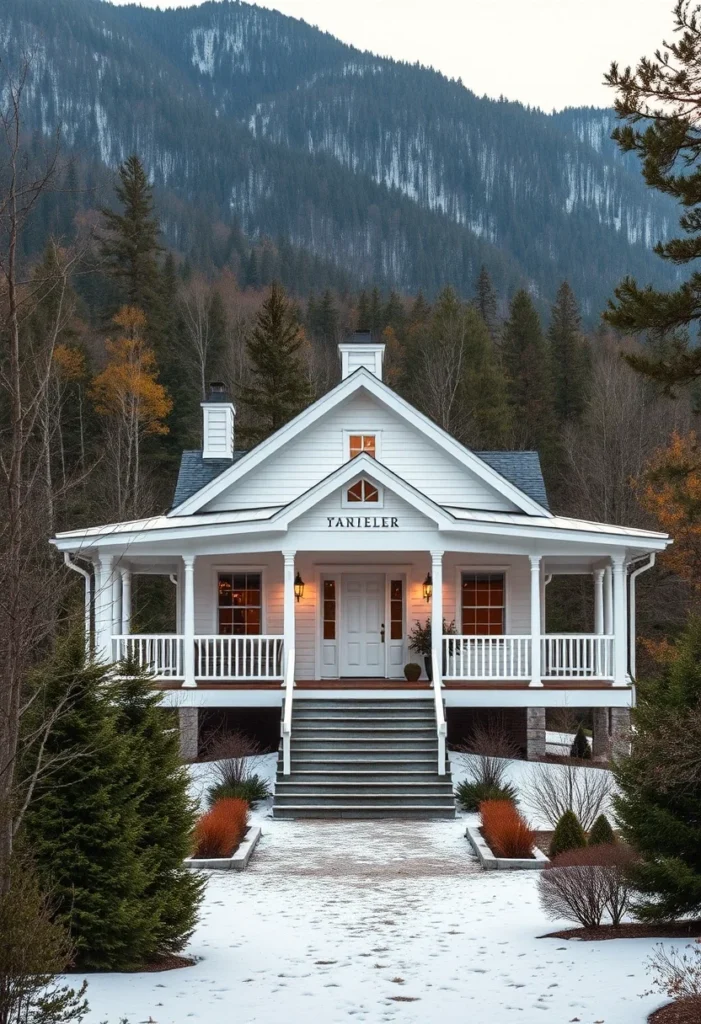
[415, 811]
[301, 703]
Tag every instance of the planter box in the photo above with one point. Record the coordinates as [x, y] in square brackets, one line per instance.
[490, 862]
[237, 862]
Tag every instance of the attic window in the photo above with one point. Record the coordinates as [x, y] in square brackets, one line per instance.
[363, 491]
[360, 443]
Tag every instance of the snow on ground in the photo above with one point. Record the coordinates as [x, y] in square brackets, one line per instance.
[378, 921]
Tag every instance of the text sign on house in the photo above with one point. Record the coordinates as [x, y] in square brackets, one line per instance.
[362, 522]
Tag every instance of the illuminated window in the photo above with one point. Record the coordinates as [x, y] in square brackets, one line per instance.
[360, 443]
[363, 491]
[239, 603]
[396, 610]
[329, 609]
[483, 603]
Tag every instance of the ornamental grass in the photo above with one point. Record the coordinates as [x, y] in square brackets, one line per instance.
[219, 832]
[506, 831]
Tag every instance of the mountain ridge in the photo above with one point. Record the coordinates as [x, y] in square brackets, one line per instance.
[391, 171]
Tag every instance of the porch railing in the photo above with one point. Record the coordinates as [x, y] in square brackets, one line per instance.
[487, 657]
[563, 656]
[216, 657]
[577, 656]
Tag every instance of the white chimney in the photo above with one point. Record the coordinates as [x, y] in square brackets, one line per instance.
[361, 350]
[218, 424]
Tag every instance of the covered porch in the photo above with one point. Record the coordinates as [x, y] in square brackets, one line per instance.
[348, 618]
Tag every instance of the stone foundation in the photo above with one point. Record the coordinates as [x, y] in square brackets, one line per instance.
[535, 733]
[601, 738]
[620, 732]
[189, 733]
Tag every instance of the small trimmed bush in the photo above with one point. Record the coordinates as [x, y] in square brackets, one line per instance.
[568, 835]
[251, 790]
[601, 832]
[583, 885]
[580, 747]
[471, 794]
[506, 832]
[219, 832]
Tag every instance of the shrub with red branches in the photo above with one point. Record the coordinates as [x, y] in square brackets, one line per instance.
[583, 885]
[506, 831]
[219, 832]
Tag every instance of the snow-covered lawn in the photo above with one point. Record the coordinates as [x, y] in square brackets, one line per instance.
[379, 921]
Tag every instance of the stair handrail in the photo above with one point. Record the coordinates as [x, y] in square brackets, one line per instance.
[287, 717]
[441, 727]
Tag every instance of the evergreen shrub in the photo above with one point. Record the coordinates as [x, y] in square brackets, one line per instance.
[471, 794]
[580, 745]
[568, 835]
[601, 832]
[219, 832]
[506, 831]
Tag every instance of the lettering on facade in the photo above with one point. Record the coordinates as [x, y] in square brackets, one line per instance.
[363, 522]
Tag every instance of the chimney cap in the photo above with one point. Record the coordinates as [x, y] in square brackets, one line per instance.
[361, 338]
[217, 392]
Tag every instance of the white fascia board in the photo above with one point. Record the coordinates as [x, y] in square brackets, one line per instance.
[365, 466]
[361, 378]
[641, 542]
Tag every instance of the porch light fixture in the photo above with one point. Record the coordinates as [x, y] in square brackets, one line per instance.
[299, 587]
[428, 587]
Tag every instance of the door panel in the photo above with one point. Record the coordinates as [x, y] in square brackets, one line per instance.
[362, 625]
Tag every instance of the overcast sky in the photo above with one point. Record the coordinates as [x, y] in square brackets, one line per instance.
[549, 53]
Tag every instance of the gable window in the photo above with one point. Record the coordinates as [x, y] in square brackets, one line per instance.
[360, 443]
[239, 603]
[362, 491]
[483, 603]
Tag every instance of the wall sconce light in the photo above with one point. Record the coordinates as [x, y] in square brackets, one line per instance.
[299, 587]
[428, 587]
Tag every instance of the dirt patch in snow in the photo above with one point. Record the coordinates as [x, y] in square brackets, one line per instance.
[631, 930]
[683, 1011]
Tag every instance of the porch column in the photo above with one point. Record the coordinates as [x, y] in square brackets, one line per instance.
[608, 601]
[536, 679]
[437, 609]
[126, 601]
[620, 622]
[189, 620]
[288, 605]
[598, 601]
[116, 602]
[103, 608]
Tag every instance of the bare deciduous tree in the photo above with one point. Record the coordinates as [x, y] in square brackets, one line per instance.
[555, 788]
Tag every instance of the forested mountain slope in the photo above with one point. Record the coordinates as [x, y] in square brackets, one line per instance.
[389, 171]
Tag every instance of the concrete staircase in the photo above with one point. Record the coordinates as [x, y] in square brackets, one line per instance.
[363, 759]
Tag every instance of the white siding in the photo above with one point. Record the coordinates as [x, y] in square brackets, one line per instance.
[315, 454]
[316, 520]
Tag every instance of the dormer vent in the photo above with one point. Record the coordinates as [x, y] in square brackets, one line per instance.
[218, 415]
[360, 350]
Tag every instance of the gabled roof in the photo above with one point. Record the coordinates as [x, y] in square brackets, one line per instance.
[196, 472]
[365, 380]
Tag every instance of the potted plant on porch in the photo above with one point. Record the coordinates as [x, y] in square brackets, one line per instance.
[420, 641]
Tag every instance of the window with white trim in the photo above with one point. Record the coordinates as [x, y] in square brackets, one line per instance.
[483, 603]
[240, 603]
[360, 444]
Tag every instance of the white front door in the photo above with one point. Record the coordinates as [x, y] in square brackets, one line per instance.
[363, 625]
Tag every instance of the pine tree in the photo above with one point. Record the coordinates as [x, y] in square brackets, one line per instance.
[393, 315]
[659, 804]
[601, 833]
[658, 102]
[375, 313]
[280, 389]
[327, 322]
[486, 302]
[82, 824]
[568, 835]
[530, 390]
[569, 356]
[155, 772]
[131, 247]
[420, 311]
[363, 314]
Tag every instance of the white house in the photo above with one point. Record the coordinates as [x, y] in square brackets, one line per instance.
[302, 565]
